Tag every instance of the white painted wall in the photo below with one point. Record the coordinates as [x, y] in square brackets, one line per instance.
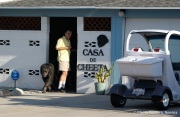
[86, 84]
[19, 55]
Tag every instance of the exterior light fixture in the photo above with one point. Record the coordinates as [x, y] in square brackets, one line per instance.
[121, 13]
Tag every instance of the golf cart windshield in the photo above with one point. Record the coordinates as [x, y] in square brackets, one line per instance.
[150, 42]
[158, 42]
[147, 42]
[174, 48]
[174, 45]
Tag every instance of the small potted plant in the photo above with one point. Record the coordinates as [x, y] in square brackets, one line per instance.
[101, 76]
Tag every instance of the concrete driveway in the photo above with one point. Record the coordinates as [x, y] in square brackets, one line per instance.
[78, 105]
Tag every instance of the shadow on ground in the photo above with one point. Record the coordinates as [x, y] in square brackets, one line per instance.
[87, 101]
[90, 101]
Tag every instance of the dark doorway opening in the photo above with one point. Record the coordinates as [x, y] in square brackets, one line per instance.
[57, 29]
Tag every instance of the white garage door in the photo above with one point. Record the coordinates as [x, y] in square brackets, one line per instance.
[160, 23]
[25, 51]
[141, 23]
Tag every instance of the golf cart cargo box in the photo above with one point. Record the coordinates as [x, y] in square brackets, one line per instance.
[140, 66]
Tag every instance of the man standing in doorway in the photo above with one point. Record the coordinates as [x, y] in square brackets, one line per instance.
[63, 46]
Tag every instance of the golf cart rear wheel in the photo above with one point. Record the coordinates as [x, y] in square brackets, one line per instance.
[163, 102]
[117, 100]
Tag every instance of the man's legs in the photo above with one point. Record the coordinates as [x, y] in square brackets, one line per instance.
[62, 80]
[64, 67]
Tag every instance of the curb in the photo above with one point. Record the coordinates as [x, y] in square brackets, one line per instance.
[11, 92]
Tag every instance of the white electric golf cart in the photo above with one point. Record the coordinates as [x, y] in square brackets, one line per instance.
[150, 68]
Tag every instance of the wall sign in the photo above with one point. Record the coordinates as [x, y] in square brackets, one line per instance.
[93, 52]
[15, 75]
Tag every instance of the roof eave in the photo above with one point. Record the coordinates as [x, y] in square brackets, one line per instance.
[138, 7]
[87, 7]
[52, 7]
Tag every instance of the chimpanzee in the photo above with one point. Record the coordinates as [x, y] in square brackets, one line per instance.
[47, 71]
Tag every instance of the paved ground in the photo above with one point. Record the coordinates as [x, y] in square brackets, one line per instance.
[77, 105]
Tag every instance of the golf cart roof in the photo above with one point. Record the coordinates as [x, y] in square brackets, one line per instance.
[155, 33]
[150, 32]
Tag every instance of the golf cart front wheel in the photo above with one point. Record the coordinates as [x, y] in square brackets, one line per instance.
[163, 102]
[117, 100]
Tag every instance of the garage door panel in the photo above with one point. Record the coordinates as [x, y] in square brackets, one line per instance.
[25, 51]
[150, 23]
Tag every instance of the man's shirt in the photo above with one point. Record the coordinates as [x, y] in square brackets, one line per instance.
[63, 55]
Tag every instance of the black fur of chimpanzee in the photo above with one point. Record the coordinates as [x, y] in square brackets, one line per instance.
[47, 72]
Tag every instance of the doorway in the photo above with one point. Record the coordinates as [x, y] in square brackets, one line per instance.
[57, 29]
